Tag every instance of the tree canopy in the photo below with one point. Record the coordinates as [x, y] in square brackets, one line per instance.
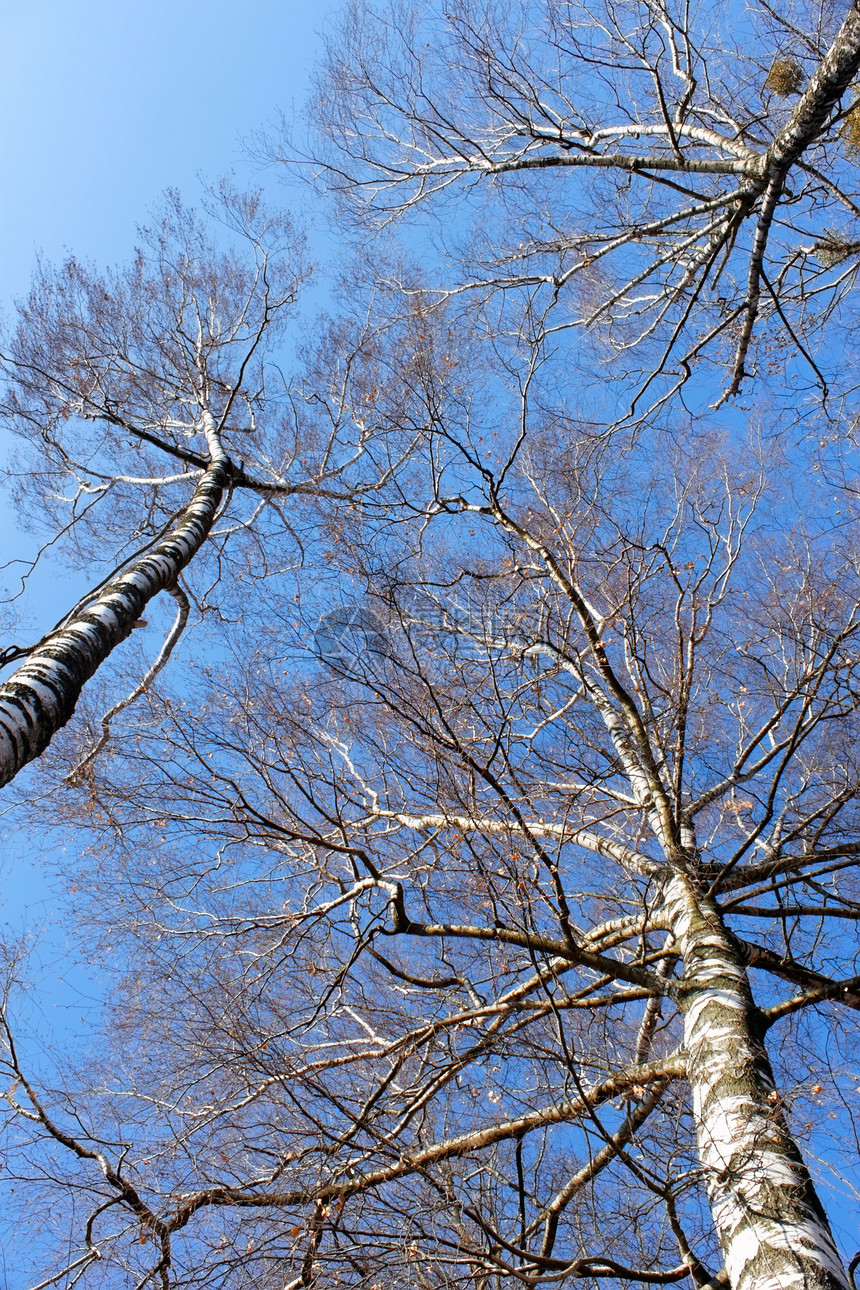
[471, 852]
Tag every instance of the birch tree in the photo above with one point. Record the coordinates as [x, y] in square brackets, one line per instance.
[674, 178]
[508, 938]
[480, 906]
[149, 404]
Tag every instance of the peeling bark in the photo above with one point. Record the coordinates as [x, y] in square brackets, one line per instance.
[40, 697]
[771, 1225]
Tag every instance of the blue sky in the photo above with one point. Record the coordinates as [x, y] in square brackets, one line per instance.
[104, 103]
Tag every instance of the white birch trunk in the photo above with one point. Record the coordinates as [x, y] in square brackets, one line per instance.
[771, 1226]
[831, 79]
[40, 697]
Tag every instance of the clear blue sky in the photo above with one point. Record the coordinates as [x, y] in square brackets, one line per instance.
[104, 103]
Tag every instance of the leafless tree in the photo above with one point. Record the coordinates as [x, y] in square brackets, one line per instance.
[479, 903]
[170, 362]
[509, 940]
[668, 175]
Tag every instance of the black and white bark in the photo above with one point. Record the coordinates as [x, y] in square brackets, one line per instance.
[41, 695]
[772, 1227]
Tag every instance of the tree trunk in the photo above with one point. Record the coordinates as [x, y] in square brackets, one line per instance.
[771, 1225]
[40, 697]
